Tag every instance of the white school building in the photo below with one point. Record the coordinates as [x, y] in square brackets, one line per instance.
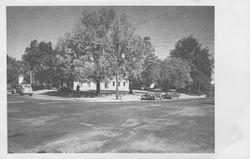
[123, 85]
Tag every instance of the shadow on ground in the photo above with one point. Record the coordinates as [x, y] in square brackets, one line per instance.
[86, 94]
[210, 102]
[177, 126]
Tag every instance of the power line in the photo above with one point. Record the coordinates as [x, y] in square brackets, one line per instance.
[173, 36]
[155, 18]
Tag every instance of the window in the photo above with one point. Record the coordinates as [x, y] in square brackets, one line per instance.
[118, 83]
[124, 83]
[113, 83]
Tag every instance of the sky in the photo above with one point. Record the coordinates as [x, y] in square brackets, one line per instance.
[165, 25]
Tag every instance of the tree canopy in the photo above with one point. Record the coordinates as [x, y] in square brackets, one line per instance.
[41, 59]
[174, 73]
[200, 60]
[103, 44]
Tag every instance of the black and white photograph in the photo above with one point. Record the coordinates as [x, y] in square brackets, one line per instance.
[129, 79]
[110, 79]
[124, 79]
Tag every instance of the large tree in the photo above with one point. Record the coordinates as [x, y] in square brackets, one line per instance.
[132, 48]
[84, 52]
[71, 64]
[107, 43]
[41, 59]
[151, 64]
[200, 60]
[102, 44]
[134, 62]
[130, 57]
[96, 27]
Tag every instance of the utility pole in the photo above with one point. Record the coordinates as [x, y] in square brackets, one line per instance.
[199, 88]
[117, 70]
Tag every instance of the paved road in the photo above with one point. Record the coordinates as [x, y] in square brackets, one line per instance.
[146, 126]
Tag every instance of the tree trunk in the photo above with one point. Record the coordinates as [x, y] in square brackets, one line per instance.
[47, 84]
[41, 83]
[130, 88]
[98, 87]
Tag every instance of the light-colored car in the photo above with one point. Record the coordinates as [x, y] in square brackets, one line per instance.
[166, 96]
[23, 89]
[157, 93]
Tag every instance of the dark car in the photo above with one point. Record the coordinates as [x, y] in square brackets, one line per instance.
[148, 96]
[174, 93]
[11, 90]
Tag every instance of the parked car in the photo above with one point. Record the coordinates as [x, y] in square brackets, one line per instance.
[11, 91]
[166, 96]
[148, 96]
[157, 93]
[23, 89]
[174, 93]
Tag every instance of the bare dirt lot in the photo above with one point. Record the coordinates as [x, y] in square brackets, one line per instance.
[52, 126]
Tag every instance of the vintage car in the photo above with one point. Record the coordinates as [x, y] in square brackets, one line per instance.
[174, 93]
[148, 96]
[23, 89]
[166, 96]
[157, 93]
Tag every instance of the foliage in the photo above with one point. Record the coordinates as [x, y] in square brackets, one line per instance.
[174, 73]
[151, 65]
[103, 44]
[70, 65]
[100, 44]
[16, 68]
[82, 53]
[41, 59]
[134, 62]
[133, 47]
[201, 62]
